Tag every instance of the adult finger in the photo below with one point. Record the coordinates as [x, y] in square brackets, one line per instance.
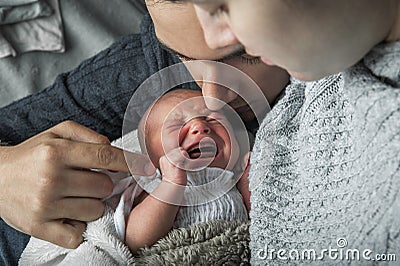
[81, 209]
[85, 183]
[74, 131]
[60, 232]
[107, 157]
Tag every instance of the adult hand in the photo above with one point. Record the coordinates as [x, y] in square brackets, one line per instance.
[47, 189]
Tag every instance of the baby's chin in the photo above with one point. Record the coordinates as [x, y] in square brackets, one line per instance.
[223, 165]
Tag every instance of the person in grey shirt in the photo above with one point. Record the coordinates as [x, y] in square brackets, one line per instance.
[325, 166]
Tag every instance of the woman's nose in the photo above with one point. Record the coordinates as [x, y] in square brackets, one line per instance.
[199, 126]
[216, 96]
[217, 32]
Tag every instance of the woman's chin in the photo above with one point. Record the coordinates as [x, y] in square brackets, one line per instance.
[304, 76]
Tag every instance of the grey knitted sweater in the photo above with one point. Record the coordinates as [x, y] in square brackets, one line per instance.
[325, 168]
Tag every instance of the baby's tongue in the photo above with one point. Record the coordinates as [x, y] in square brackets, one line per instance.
[204, 152]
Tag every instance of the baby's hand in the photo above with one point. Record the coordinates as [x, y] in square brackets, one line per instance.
[170, 166]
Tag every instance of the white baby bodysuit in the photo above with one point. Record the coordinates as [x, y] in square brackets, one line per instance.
[210, 194]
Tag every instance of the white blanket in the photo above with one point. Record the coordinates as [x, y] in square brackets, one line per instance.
[102, 246]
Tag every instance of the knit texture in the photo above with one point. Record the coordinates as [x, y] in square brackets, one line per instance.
[210, 194]
[325, 166]
[228, 206]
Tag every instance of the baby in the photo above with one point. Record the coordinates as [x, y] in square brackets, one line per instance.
[182, 137]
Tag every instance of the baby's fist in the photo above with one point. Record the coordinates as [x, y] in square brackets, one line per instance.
[171, 166]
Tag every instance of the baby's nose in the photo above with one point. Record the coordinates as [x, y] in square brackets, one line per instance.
[199, 126]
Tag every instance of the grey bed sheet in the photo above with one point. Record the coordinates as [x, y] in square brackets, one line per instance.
[89, 27]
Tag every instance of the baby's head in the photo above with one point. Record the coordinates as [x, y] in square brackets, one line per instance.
[180, 118]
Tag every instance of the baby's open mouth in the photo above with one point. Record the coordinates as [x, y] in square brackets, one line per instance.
[205, 151]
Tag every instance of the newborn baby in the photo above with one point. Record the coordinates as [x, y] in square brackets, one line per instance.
[191, 146]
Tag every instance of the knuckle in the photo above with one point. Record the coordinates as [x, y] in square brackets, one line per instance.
[67, 239]
[68, 123]
[38, 207]
[62, 125]
[46, 183]
[105, 155]
[74, 241]
[47, 152]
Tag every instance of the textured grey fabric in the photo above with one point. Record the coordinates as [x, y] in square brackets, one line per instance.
[16, 2]
[325, 166]
[12, 14]
[89, 27]
[44, 33]
[140, 5]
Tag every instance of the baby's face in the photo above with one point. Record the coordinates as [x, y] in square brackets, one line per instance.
[186, 122]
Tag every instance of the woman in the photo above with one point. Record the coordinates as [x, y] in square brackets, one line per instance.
[327, 156]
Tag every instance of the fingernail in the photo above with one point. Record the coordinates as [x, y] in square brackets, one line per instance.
[149, 169]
